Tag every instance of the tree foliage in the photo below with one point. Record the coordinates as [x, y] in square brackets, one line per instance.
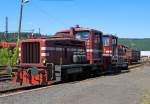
[140, 44]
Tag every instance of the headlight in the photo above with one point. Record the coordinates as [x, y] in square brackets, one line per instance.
[18, 61]
[44, 61]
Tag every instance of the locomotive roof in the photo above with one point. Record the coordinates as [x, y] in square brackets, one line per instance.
[106, 35]
[77, 29]
[48, 39]
[132, 49]
[122, 45]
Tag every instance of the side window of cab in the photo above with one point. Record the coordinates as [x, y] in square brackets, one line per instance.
[97, 37]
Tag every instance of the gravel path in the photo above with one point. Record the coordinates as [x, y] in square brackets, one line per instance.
[126, 88]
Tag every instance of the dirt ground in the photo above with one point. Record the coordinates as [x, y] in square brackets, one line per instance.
[125, 88]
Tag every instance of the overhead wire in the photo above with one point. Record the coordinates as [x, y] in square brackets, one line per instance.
[48, 14]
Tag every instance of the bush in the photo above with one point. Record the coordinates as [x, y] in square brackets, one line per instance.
[8, 56]
[14, 56]
[4, 57]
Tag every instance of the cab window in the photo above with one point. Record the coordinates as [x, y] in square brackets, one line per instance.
[85, 35]
[106, 41]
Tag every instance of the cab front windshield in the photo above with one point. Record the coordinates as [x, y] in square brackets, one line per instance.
[105, 41]
[84, 35]
[114, 41]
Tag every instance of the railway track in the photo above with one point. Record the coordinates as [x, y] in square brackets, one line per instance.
[136, 65]
[5, 74]
[30, 88]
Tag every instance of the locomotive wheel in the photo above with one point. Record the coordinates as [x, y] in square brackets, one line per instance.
[72, 77]
[82, 75]
[119, 69]
[87, 74]
[111, 70]
[96, 73]
[65, 76]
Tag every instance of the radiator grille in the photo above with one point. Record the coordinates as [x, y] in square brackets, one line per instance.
[31, 52]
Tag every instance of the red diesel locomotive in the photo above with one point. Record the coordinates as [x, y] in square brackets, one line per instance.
[60, 58]
[45, 61]
[131, 55]
[113, 54]
[69, 54]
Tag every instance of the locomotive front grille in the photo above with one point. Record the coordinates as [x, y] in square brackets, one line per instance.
[31, 52]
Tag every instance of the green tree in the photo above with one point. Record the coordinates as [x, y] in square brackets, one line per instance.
[14, 56]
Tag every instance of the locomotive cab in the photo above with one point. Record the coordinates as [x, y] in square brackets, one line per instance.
[113, 54]
[92, 38]
[110, 48]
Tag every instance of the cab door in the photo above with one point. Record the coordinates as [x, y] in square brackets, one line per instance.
[97, 47]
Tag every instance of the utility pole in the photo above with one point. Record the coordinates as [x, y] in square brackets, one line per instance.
[32, 32]
[39, 31]
[6, 27]
[20, 19]
[20, 23]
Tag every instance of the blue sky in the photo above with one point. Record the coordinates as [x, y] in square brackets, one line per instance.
[126, 18]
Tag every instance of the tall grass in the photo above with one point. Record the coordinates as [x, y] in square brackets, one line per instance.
[146, 98]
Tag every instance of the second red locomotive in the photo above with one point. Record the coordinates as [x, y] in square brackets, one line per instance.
[113, 54]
